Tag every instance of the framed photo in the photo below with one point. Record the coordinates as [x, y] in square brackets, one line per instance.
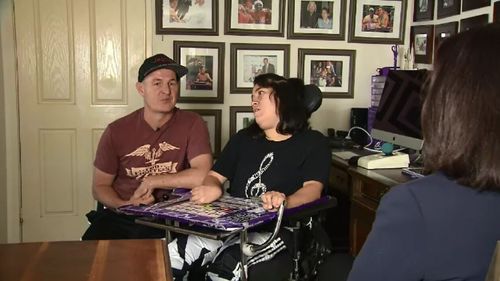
[316, 20]
[443, 31]
[250, 60]
[473, 22]
[496, 12]
[377, 21]
[254, 17]
[204, 82]
[239, 118]
[423, 10]
[196, 17]
[212, 118]
[422, 38]
[446, 8]
[474, 4]
[331, 70]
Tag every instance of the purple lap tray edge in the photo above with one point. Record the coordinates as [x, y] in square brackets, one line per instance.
[227, 213]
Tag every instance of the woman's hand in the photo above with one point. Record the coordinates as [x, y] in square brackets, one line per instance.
[205, 194]
[272, 200]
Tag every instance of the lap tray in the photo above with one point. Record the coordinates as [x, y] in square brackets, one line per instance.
[227, 213]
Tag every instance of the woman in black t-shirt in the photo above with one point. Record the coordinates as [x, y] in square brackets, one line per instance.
[277, 158]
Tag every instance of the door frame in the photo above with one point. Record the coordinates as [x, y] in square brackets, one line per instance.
[12, 180]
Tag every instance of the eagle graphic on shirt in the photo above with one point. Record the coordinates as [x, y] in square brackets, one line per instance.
[152, 157]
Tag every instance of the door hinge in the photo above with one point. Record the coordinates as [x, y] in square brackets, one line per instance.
[21, 220]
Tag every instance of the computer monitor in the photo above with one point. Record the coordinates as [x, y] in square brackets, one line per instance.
[398, 115]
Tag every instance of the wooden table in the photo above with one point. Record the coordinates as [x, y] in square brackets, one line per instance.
[86, 260]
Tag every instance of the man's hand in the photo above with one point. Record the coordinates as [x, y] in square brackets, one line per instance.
[205, 194]
[145, 189]
[272, 200]
[146, 199]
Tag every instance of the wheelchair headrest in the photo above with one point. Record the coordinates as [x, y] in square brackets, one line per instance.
[312, 98]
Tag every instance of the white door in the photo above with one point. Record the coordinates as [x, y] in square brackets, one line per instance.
[77, 63]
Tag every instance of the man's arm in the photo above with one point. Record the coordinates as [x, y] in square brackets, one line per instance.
[103, 192]
[189, 178]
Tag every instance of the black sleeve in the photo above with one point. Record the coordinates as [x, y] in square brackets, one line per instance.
[317, 162]
[226, 162]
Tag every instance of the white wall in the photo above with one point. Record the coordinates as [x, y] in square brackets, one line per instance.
[334, 113]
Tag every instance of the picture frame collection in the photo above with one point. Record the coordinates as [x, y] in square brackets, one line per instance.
[332, 70]
[307, 19]
[426, 38]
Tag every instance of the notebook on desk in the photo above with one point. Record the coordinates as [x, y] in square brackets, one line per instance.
[348, 154]
[344, 155]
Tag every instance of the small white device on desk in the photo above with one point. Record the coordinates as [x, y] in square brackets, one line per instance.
[383, 161]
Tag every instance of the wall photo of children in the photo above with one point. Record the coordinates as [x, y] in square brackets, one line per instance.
[200, 70]
[255, 12]
[377, 18]
[326, 73]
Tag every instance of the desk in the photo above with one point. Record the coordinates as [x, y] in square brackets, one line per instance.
[363, 190]
[102, 260]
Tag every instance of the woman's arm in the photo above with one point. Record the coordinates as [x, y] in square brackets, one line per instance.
[210, 190]
[310, 191]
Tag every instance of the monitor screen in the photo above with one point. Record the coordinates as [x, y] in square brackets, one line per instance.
[398, 115]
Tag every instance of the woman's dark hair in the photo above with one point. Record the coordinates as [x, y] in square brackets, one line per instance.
[461, 109]
[288, 95]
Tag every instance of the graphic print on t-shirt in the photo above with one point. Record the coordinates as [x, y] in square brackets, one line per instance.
[259, 187]
[152, 156]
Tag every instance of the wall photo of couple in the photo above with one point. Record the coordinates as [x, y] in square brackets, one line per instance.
[254, 17]
[378, 21]
[377, 18]
[316, 14]
[254, 12]
[317, 20]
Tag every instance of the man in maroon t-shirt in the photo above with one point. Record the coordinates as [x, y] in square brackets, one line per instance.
[155, 147]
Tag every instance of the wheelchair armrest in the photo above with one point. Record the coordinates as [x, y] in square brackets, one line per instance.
[310, 209]
[292, 214]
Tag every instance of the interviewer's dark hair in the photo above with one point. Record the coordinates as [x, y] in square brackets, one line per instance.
[288, 96]
[462, 107]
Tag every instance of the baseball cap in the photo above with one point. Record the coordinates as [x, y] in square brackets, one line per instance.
[160, 61]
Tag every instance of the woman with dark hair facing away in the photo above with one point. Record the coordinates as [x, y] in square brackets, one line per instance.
[445, 226]
[277, 158]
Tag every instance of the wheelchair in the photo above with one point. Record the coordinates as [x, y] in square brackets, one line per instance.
[311, 243]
